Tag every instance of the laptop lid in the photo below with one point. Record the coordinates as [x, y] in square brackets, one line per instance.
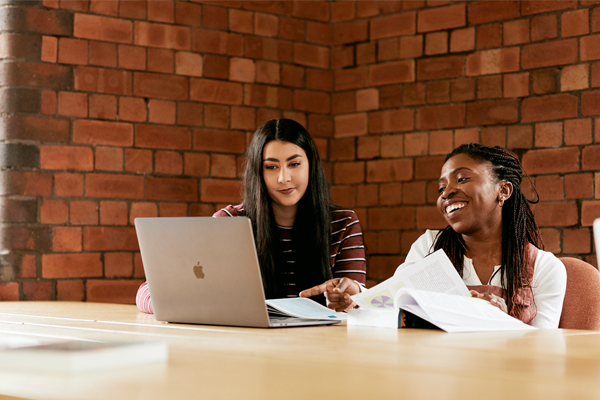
[597, 237]
[202, 270]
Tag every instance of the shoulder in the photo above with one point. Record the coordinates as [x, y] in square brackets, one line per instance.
[342, 214]
[231, 211]
[547, 264]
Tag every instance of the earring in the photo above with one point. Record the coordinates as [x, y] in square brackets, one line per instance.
[501, 202]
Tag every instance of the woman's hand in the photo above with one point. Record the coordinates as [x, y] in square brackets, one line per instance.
[492, 298]
[337, 292]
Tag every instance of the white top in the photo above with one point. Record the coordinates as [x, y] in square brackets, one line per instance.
[549, 279]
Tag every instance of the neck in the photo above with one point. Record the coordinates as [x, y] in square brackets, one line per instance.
[485, 245]
[284, 215]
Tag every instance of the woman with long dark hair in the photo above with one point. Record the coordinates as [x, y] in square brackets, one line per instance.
[301, 239]
[492, 238]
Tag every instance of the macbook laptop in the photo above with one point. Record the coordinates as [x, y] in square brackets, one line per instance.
[204, 270]
[597, 238]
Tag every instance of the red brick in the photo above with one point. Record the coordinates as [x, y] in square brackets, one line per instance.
[388, 49]
[161, 112]
[575, 23]
[109, 158]
[163, 137]
[187, 63]
[207, 41]
[48, 100]
[220, 191]
[549, 161]
[212, 91]
[391, 121]
[99, 132]
[240, 21]
[590, 210]
[430, 218]
[180, 210]
[462, 89]
[350, 125]
[82, 265]
[391, 26]
[73, 104]
[411, 46]
[75, 5]
[549, 54]
[440, 142]
[489, 36]
[578, 131]
[390, 73]
[516, 85]
[311, 55]
[579, 186]
[319, 79]
[428, 167]
[195, 164]
[139, 210]
[481, 12]
[349, 32]
[160, 86]
[182, 189]
[589, 47]
[26, 266]
[66, 239]
[529, 7]
[391, 218]
[223, 166]
[104, 7]
[591, 158]
[342, 11]
[574, 77]
[493, 112]
[68, 184]
[113, 213]
[516, 32]
[103, 54]
[109, 238]
[549, 134]
[89, 79]
[161, 35]
[317, 10]
[316, 32]
[550, 187]
[54, 212]
[489, 87]
[576, 241]
[555, 214]
[102, 28]
[132, 57]
[548, 108]
[493, 136]
[112, 291]
[390, 193]
[519, 137]
[114, 186]
[349, 172]
[136, 9]
[118, 265]
[37, 291]
[72, 51]
[83, 213]
[590, 103]
[462, 40]
[354, 78]
[440, 67]
[67, 157]
[214, 17]
[493, 61]
[439, 117]
[439, 18]
[26, 183]
[390, 170]
[416, 144]
[168, 163]
[544, 27]
[49, 49]
[219, 141]
[367, 147]
[102, 106]
[132, 109]
[161, 60]
[311, 101]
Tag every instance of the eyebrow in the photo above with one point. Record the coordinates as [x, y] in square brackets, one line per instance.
[455, 171]
[288, 159]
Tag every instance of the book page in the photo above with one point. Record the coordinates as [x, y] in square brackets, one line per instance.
[433, 273]
[456, 313]
[301, 307]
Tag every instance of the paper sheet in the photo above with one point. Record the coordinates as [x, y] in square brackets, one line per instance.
[303, 308]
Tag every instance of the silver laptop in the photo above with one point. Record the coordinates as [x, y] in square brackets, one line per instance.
[597, 238]
[204, 270]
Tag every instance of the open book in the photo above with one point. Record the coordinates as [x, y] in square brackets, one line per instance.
[432, 290]
[301, 307]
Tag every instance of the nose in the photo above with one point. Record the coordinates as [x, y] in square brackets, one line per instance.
[448, 191]
[284, 175]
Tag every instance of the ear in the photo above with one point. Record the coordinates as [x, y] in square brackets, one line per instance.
[506, 190]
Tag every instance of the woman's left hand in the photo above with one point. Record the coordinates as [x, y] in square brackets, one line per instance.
[492, 298]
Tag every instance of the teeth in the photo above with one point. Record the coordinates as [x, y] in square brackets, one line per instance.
[454, 206]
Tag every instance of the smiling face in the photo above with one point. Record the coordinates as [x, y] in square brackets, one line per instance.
[469, 195]
[285, 172]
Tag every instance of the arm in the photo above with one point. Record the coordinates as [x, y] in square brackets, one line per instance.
[549, 285]
[142, 299]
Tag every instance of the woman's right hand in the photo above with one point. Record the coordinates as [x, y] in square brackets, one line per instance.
[337, 292]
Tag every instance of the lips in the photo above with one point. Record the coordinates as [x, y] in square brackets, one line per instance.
[286, 191]
[453, 207]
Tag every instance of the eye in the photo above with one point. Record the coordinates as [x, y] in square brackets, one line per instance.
[270, 167]
[462, 180]
[295, 164]
[440, 190]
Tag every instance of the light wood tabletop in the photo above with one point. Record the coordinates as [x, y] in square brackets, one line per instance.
[215, 362]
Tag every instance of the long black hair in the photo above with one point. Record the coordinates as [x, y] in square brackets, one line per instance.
[311, 238]
[518, 223]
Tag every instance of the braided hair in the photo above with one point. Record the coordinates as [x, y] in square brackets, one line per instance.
[518, 223]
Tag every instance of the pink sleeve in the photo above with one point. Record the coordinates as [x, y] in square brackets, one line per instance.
[142, 300]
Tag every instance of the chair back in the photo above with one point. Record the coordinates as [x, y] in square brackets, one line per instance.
[581, 307]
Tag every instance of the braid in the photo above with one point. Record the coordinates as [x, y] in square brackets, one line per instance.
[518, 224]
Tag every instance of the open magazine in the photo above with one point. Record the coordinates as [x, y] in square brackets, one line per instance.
[432, 290]
[301, 307]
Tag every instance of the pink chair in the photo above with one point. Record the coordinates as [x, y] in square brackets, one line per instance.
[581, 308]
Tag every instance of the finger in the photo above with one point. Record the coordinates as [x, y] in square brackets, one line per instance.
[342, 285]
[474, 293]
[315, 290]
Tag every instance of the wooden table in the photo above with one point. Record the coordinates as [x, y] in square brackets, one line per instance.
[329, 362]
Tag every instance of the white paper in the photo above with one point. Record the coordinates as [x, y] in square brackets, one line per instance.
[384, 318]
[456, 313]
[302, 307]
[433, 273]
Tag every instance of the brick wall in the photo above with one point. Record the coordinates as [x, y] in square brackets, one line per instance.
[110, 110]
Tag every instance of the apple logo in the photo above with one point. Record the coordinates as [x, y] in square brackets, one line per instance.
[198, 271]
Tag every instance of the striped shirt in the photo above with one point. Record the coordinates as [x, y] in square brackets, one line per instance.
[347, 252]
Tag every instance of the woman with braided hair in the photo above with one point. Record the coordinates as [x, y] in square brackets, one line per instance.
[492, 238]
